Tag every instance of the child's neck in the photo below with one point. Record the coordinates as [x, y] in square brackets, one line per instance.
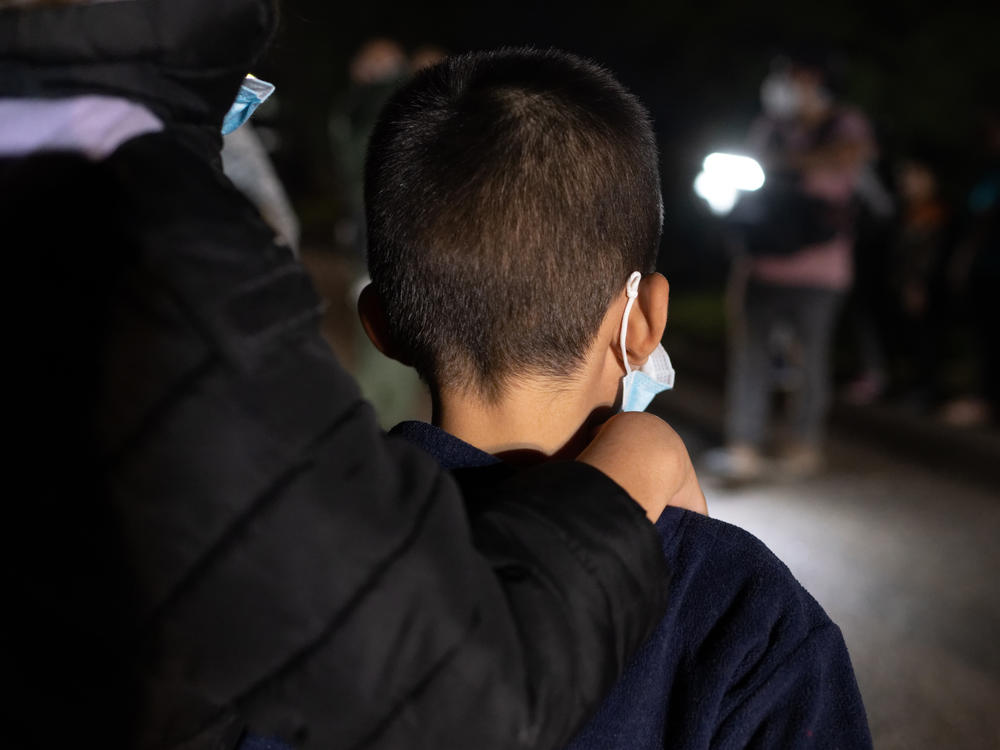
[530, 422]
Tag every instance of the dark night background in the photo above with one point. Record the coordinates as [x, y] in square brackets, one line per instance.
[924, 76]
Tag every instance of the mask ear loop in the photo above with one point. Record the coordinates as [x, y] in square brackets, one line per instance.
[631, 291]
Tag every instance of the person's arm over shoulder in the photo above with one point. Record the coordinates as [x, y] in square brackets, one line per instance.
[580, 571]
[305, 572]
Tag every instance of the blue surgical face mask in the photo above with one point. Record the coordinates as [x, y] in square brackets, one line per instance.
[655, 376]
[253, 92]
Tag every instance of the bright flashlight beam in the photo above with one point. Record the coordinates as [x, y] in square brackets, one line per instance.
[742, 172]
[720, 195]
[722, 178]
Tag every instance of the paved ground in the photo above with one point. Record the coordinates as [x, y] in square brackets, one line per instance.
[906, 559]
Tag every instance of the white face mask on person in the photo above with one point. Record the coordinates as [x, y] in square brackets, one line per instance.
[655, 376]
[783, 98]
[779, 96]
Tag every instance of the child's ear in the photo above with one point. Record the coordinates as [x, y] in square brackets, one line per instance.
[373, 320]
[648, 318]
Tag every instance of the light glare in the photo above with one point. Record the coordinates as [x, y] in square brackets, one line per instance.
[723, 176]
[719, 194]
[742, 172]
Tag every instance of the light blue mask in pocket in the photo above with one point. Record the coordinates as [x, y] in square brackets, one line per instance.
[655, 375]
[253, 92]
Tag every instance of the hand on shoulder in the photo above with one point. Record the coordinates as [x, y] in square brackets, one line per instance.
[647, 457]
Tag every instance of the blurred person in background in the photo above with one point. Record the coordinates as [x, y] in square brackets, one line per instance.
[210, 533]
[798, 265]
[246, 162]
[426, 55]
[917, 257]
[867, 308]
[974, 274]
[375, 71]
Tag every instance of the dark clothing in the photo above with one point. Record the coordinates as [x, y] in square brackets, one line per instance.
[743, 658]
[810, 314]
[212, 533]
[984, 279]
[450, 452]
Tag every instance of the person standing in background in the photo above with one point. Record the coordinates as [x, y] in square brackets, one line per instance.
[916, 272]
[817, 149]
[974, 276]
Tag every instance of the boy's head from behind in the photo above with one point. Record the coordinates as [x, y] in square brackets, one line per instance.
[509, 196]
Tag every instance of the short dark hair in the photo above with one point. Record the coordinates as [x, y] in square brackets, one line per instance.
[509, 195]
